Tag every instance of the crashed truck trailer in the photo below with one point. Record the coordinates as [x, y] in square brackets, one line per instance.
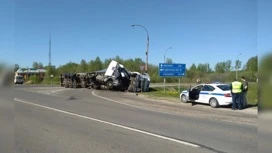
[115, 77]
[74, 80]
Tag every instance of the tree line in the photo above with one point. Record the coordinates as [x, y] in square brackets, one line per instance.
[223, 71]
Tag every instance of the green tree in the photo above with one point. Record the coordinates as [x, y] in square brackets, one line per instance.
[70, 67]
[40, 65]
[107, 62]
[118, 59]
[34, 79]
[96, 65]
[227, 66]
[220, 67]
[37, 65]
[252, 64]
[193, 68]
[191, 72]
[204, 68]
[83, 66]
[50, 70]
[238, 64]
[169, 61]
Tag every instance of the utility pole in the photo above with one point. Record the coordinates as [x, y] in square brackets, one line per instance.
[147, 44]
[236, 66]
[49, 47]
[164, 62]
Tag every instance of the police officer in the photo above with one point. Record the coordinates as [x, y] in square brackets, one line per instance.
[236, 92]
[244, 94]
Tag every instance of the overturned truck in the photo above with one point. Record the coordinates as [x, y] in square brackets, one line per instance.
[115, 77]
[74, 80]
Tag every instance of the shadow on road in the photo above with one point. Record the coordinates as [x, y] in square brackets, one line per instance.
[226, 106]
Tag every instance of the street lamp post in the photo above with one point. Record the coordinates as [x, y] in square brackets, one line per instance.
[166, 52]
[164, 62]
[236, 65]
[147, 44]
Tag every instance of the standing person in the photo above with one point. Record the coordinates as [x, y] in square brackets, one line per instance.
[198, 81]
[236, 92]
[244, 93]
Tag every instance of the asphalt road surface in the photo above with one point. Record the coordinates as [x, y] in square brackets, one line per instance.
[6, 120]
[54, 119]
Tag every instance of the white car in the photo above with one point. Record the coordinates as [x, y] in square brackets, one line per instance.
[18, 79]
[215, 94]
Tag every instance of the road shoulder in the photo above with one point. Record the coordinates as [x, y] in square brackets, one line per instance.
[246, 116]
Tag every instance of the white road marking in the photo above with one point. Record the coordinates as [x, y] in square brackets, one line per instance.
[54, 91]
[46, 91]
[112, 124]
[133, 105]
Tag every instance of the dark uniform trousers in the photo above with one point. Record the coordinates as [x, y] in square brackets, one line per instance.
[237, 101]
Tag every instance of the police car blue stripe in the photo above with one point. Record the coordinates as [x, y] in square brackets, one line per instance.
[217, 94]
[206, 93]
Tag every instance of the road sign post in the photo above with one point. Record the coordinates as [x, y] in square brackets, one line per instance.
[179, 85]
[164, 84]
[171, 70]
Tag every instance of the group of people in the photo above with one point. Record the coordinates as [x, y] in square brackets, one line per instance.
[239, 92]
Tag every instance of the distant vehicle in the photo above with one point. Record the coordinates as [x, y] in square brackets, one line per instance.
[18, 79]
[215, 94]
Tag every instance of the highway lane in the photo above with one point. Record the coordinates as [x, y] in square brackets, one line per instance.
[46, 131]
[209, 135]
[43, 130]
[6, 120]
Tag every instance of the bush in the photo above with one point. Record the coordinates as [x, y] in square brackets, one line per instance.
[33, 79]
[55, 80]
[252, 94]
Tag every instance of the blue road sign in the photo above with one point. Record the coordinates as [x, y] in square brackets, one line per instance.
[172, 70]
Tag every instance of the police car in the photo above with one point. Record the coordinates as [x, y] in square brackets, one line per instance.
[215, 94]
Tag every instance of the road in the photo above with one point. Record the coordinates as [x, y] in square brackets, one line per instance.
[6, 120]
[53, 119]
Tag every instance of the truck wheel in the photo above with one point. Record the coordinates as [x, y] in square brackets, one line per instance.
[109, 84]
[96, 86]
[74, 84]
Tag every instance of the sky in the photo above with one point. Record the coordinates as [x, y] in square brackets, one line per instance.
[198, 31]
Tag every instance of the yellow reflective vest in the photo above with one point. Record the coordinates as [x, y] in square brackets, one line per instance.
[236, 87]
